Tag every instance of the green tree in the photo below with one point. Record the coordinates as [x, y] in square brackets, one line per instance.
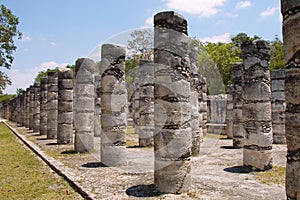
[44, 74]
[20, 91]
[277, 54]
[243, 37]
[141, 44]
[8, 30]
[6, 97]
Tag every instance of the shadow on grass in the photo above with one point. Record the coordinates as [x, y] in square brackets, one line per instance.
[94, 165]
[143, 191]
[52, 144]
[239, 169]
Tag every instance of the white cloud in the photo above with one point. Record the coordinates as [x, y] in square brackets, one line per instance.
[53, 44]
[25, 37]
[242, 4]
[269, 12]
[21, 79]
[203, 8]
[218, 38]
[149, 21]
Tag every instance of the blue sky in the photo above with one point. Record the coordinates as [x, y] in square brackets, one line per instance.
[56, 32]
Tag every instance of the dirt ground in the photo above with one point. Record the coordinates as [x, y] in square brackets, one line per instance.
[217, 173]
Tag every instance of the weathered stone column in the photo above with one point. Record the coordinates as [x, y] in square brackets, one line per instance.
[27, 108]
[145, 123]
[194, 97]
[65, 106]
[52, 94]
[291, 40]
[31, 107]
[36, 111]
[229, 112]
[238, 127]
[43, 106]
[173, 137]
[202, 90]
[84, 105]
[278, 106]
[113, 105]
[97, 128]
[257, 114]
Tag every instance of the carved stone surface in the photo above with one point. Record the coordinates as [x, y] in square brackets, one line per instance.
[237, 118]
[65, 106]
[52, 95]
[84, 105]
[257, 116]
[229, 112]
[144, 126]
[278, 107]
[36, 111]
[291, 40]
[173, 137]
[43, 106]
[113, 105]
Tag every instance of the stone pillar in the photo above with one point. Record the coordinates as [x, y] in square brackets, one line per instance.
[43, 106]
[229, 112]
[52, 94]
[113, 105]
[65, 106]
[203, 108]
[238, 127]
[145, 123]
[291, 40]
[173, 137]
[36, 111]
[31, 107]
[27, 108]
[84, 105]
[257, 114]
[97, 131]
[194, 97]
[278, 106]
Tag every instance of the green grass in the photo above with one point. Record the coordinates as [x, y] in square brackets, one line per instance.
[276, 175]
[23, 176]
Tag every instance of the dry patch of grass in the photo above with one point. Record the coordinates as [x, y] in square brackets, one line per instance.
[24, 176]
[276, 175]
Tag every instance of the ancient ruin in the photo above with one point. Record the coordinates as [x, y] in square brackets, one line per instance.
[278, 107]
[237, 83]
[256, 109]
[65, 106]
[144, 125]
[113, 105]
[172, 138]
[52, 90]
[291, 39]
[84, 105]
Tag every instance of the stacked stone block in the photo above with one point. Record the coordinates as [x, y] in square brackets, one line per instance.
[52, 95]
[65, 106]
[229, 112]
[194, 99]
[97, 129]
[173, 137]
[31, 107]
[84, 105]
[291, 40]
[27, 108]
[36, 111]
[203, 108]
[145, 122]
[278, 106]
[238, 127]
[43, 106]
[257, 118]
[113, 105]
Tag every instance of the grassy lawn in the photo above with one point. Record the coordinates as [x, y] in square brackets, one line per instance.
[23, 176]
